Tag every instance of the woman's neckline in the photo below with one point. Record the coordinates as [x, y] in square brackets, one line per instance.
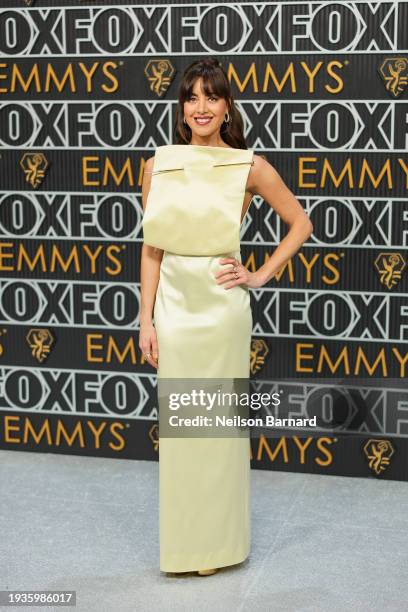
[207, 146]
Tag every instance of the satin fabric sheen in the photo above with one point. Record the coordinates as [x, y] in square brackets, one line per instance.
[194, 205]
[203, 331]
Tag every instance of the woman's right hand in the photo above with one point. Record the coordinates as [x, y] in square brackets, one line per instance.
[148, 343]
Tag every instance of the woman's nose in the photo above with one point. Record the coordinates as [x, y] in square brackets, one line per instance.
[202, 107]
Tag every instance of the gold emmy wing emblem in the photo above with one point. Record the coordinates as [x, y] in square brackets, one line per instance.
[159, 73]
[390, 266]
[154, 436]
[34, 166]
[394, 71]
[259, 351]
[40, 341]
[29, 2]
[378, 453]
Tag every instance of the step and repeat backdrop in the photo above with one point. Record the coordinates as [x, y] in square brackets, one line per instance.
[87, 91]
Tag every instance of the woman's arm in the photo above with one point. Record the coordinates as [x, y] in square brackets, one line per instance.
[265, 181]
[149, 279]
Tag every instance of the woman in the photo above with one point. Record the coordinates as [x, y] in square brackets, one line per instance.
[195, 318]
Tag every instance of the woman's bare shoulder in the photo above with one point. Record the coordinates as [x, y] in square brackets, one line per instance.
[259, 167]
[260, 162]
[149, 163]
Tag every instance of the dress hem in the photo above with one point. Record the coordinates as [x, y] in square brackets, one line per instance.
[196, 566]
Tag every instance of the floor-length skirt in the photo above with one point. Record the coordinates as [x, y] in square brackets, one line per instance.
[203, 331]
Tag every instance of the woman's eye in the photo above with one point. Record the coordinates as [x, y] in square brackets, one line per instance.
[192, 98]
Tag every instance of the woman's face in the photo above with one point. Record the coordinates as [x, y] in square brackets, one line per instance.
[211, 109]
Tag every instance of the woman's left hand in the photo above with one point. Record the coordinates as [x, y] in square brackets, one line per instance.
[237, 274]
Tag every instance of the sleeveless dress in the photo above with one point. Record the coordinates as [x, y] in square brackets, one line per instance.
[203, 331]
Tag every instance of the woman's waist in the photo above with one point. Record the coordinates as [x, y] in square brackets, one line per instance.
[191, 282]
[229, 254]
[188, 267]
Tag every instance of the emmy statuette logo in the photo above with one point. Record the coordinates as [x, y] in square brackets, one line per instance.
[160, 74]
[394, 72]
[378, 453]
[40, 342]
[34, 166]
[259, 351]
[390, 266]
[154, 436]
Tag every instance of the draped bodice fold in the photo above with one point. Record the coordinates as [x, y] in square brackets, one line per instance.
[195, 200]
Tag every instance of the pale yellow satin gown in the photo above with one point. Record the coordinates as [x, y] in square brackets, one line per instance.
[193, 213]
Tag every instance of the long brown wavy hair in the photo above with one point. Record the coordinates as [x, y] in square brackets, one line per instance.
[215, 81]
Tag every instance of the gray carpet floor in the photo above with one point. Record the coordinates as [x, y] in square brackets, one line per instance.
[319, 543]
